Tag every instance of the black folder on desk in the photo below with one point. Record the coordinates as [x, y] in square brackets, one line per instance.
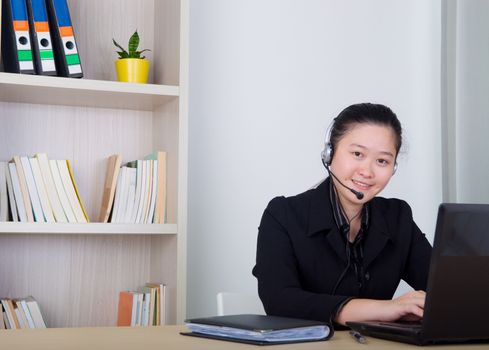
[259, 329]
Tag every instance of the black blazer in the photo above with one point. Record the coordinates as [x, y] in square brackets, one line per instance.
[300, 255]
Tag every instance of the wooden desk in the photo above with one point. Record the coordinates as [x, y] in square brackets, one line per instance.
[168, 338]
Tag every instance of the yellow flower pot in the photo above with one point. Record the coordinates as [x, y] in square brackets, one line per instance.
[132, 70]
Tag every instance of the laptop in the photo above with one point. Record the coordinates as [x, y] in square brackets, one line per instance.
[457, 296]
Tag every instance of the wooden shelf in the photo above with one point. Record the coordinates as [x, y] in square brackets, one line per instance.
[95, 228]
[38, 89]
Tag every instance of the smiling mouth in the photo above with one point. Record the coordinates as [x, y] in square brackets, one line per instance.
[361, 185]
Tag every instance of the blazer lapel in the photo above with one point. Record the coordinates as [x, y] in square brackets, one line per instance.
[377, 237]
[337, 243]
[321, 219]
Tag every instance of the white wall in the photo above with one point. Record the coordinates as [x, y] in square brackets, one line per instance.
[266, 79]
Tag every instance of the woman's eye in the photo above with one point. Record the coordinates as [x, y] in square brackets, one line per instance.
[357, 154]
[382, 162]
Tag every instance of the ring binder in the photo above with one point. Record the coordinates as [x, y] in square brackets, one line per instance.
[40, 37]
[64, 44]
[16, 43]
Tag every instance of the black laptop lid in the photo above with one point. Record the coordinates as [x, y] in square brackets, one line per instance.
[457, 302]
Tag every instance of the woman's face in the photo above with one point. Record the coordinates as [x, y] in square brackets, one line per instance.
[364, 160]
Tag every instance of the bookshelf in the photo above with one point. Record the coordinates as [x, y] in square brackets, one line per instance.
[76, 271]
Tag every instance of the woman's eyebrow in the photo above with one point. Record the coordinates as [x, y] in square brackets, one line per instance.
[387, 153]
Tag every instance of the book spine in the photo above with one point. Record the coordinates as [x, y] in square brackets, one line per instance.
[32, 189]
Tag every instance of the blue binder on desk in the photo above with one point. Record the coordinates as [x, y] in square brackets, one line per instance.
[41, 42]
[66, 53]
[258, 329]
[16, 43]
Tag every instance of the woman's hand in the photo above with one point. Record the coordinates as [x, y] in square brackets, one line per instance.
[408, 307]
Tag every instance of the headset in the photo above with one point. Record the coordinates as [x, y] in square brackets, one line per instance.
[327, 152]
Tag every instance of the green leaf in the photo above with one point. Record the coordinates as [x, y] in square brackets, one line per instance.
[140, 52]
[133, 45]
[117, 45]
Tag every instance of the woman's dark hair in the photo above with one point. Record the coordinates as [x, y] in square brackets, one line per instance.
[365, 113]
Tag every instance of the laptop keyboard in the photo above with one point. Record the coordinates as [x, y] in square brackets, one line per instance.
[402, 324]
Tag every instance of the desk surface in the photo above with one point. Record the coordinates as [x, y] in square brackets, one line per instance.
[168, 337]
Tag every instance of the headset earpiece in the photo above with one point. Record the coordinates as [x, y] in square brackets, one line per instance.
[327, 154]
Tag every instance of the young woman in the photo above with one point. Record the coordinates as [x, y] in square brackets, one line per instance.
[337, 252]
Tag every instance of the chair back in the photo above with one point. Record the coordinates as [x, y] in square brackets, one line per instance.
[237, 303]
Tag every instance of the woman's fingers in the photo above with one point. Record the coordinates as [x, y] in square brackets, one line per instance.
[410, 305]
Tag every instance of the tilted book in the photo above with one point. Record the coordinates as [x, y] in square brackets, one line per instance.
[113, 165]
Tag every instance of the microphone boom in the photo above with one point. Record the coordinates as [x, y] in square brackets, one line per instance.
[357, 194]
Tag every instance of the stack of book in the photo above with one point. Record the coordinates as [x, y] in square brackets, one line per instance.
[136, 191]
[36, 189]
[145, 307]
[20, 313]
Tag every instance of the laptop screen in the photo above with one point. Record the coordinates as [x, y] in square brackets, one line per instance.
[457, 302]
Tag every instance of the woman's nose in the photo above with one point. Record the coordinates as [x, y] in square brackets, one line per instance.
[366, 169]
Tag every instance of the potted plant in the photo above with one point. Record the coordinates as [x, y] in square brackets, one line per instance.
[131, 66]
